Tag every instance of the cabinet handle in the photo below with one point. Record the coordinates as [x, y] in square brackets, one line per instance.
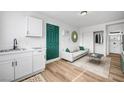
[16, 63]
[12, 64]
[27, 32]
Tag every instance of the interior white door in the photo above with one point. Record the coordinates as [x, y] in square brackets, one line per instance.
[23, 66]
[115, 44]
[6, 71]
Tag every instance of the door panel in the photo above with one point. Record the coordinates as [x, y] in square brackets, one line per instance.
[35, 27]
[115, 44]
[52, 41]
[6, 71]
[38, 62]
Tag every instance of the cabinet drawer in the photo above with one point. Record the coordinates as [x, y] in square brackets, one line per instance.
[40, 52]
[22, 55]
[14, 56]
[6, 57]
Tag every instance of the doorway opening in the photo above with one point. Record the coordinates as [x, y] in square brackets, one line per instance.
[115, 38]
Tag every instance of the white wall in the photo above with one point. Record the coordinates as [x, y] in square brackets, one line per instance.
[115, 27]
[87, 39]
[87, 36]
[13, 25]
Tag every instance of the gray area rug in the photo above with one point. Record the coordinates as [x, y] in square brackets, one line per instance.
[101, 69]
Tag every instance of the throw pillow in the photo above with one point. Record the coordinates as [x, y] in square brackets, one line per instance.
[81, 48]
[67, 50]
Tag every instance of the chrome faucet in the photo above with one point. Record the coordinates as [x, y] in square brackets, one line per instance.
[15, 44]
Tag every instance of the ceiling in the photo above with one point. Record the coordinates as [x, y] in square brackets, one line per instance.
[74, 18]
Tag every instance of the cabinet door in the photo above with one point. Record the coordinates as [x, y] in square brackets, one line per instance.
[38, 62]
[122, 64]
[6, 71]
[34, 26]
[23, 66]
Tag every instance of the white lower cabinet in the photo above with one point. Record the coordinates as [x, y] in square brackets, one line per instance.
[23, 66]
[18, 65]
[15, 66]
[38, 61]
[6, 71]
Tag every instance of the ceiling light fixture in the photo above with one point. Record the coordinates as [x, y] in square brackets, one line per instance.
[83, 13]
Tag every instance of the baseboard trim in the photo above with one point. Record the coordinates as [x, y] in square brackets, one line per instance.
[52, 60]
[28, 76]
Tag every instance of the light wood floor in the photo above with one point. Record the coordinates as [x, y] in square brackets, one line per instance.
[62, 71]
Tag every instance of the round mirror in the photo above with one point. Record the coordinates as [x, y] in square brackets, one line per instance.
[74, 36]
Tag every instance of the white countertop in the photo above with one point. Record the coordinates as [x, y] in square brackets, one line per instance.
[16, 51]
[20, 51]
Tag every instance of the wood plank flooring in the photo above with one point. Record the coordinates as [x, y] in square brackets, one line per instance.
[62, 71]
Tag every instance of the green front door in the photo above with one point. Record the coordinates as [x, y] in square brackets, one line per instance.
[52, 39]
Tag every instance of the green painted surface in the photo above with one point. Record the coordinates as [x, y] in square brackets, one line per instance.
[52, 41]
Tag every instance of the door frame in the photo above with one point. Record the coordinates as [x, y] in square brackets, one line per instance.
[107, 35]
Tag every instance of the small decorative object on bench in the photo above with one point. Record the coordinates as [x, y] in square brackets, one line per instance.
[67, 50]
[81, 47]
